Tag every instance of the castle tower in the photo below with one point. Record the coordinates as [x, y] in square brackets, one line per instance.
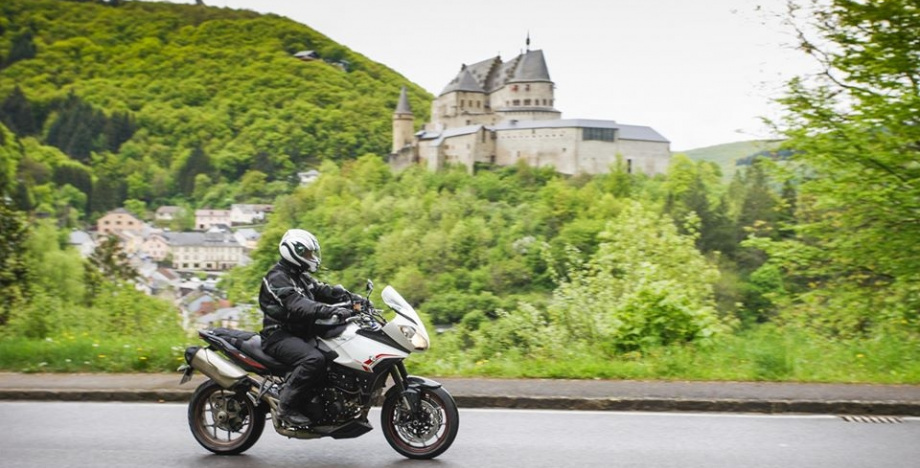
[403, 122]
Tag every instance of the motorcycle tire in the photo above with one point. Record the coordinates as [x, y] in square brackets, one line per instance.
[223, 421]
[424, 435]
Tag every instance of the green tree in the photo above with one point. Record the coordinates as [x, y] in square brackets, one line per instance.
[647, 285]
[17, 114]
[108, 263]
[22, 48]
[14, 271]
[854, 135]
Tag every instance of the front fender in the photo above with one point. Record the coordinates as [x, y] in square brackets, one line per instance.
[416, 381]
[412, 395]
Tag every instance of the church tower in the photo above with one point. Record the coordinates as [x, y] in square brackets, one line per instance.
[403, 123]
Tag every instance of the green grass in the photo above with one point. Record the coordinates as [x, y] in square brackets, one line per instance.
[71, 353]
[761, 354]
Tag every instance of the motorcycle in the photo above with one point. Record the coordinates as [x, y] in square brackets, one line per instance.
[419, 418]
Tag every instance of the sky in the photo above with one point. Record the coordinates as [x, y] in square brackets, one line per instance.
[701, 73]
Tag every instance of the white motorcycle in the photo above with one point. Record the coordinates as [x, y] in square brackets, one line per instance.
[227, 412]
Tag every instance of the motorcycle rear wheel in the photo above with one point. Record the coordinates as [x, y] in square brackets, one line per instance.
[424, 435]
[223, 421]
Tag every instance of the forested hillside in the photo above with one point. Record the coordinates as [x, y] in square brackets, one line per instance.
[180, 104]
[727, 155]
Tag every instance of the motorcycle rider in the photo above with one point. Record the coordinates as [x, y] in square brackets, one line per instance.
[291, 301]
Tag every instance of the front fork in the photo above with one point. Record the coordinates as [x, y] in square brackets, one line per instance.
[410, 387]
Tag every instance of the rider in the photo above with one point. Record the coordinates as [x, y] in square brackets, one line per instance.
[292, 301]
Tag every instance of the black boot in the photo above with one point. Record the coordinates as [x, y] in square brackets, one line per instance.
[294, 394]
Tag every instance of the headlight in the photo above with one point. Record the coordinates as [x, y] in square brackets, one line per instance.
[418, 341]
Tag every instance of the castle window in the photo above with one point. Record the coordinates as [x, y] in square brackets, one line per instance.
[629, 166]
[527, 87]
[600, 134]
[516, 102]
[544, 102]
[514, 88]
[526, 102]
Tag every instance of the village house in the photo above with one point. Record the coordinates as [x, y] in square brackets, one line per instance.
[248, 214]
[213, 250]
[248, 238]
[166, 214]
[156, 247]
[206, 219]
[83, 242]
[498, 112]
[118, 220]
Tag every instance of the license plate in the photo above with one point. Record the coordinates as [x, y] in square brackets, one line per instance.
[187, 372]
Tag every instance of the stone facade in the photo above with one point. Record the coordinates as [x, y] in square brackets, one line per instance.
[117, 221]
[496, 112]
[212, 250]
[206, 219]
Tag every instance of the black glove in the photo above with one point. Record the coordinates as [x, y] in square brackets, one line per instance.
[342, 314]
[365, 304]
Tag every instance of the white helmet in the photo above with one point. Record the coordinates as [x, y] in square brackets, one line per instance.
[300, 248]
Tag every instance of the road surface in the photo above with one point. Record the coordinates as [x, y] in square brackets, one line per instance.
[150, 435]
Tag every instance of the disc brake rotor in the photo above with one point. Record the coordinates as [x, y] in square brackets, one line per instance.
[420, 429]
[227, 412]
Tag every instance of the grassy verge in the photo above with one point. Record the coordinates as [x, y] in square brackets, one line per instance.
[86, 354]
[763, 354]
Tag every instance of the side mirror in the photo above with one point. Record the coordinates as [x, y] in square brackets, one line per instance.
[370, 287]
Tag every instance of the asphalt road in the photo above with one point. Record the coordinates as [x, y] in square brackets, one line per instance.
[68, 434]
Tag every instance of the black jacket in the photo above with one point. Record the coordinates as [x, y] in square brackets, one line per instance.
[292, 299]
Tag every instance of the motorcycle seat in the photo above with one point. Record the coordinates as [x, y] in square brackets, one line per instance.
[253, 348]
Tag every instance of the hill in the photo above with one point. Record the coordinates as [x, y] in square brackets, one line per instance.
[168, 103]
[727, 154]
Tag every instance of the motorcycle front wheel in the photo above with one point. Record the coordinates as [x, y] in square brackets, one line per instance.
[223, 421]
[423, 435]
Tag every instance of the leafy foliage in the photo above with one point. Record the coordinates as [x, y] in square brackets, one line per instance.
[851, 267]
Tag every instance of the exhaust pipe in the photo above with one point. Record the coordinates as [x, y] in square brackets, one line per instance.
[215, 366]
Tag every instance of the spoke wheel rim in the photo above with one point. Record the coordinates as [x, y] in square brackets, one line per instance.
[423, 433]
[223, 420]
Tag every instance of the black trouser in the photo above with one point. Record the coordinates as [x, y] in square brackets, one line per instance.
[307, 360]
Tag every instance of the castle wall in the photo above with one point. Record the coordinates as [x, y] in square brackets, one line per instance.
[650, 157]
[539, 147]
[564, 149]
[523, 95]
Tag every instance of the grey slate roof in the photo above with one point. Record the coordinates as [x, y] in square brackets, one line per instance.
[402, 106]
[626, 132]
[202, 239]
[532, 67]
[439, 137]
[464, 81]
[491, 74]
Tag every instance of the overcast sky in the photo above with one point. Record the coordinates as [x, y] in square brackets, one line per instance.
[699, 72]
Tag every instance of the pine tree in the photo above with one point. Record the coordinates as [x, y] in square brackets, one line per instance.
[22, 48]
[16, 113]
[196, 163]
[14, 274]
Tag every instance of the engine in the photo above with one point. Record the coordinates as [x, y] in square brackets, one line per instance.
[342, 396]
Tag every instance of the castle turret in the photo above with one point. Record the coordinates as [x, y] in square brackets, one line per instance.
[403, 122]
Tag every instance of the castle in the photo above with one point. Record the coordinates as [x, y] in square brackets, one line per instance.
[497, 112]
